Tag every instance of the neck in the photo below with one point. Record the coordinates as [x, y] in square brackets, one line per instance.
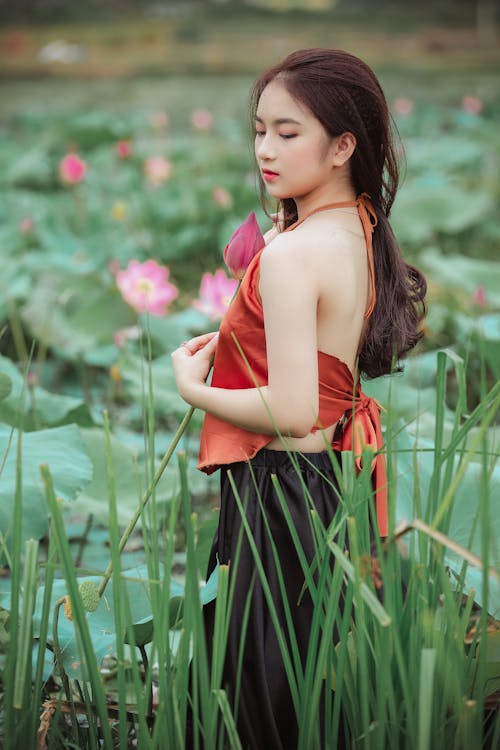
[310, 203]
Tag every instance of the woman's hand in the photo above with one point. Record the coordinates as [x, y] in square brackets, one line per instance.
[192, 362]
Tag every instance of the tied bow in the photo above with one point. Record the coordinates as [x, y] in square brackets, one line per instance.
[362, 428]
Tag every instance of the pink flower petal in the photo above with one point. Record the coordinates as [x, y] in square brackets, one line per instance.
[479, 296]
[123, 149]
[403, 106]
[243, 245]
[201, 119]
[215, 295]
[145, 287]
[472, 104]
[221, 197]
[72, 169]
[158, 170]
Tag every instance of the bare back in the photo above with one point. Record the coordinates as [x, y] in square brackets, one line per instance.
[333, 246]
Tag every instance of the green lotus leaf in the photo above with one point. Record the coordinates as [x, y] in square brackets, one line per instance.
[5, 386]
[63, 450]
[35, 406]
[420, 213]
[464, 273]
[75, 313]
[135, 586]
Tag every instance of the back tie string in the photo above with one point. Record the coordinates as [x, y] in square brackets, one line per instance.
[369, 221]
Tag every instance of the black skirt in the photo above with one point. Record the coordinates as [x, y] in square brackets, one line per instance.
[264, 707]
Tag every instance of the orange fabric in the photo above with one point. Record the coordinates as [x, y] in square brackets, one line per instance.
[241, 362]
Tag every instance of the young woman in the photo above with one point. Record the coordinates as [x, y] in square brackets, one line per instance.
[328, 297]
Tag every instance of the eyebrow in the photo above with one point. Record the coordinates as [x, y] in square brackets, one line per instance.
[280, 121]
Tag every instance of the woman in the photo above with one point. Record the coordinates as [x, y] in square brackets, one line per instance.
[328, 297]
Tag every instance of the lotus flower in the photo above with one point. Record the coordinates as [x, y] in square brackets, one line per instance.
[403, 106]
[221, 197]
[479, 296]
[244, 243]
[472, 104]
[201, 119]
[72, 169]
[123, 149]
[27, 225]
[126, 334]
[157, 169]
[216, 292]
[146, 288]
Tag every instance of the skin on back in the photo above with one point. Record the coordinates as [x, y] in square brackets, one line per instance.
[329, 247]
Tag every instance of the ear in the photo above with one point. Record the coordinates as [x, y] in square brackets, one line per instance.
[343, 148]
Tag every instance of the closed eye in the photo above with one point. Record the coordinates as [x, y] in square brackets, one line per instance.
[288, 136]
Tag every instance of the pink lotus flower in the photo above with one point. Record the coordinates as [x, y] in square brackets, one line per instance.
[126, 334]
[472, 104]
[216, 292]
[146, 288]
[479, 296]
[123, 149]
[114, 266]
[221, 197]
[157, 169]
[27, 225]
[244, 243]
[31, 379]
[202, 119]
[72, 169]
[403, 106]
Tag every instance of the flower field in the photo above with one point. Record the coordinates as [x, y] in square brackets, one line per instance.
[113, 224]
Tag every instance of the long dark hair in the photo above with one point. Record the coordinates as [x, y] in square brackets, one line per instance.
[343, 93]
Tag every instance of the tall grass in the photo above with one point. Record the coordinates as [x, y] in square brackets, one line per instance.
[406, 671]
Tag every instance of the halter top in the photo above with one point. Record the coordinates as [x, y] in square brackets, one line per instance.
[241, 362]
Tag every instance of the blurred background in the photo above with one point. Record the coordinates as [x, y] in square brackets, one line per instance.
[124, 138]
[126, 163]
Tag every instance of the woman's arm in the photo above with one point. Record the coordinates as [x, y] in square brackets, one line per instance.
[289, 299]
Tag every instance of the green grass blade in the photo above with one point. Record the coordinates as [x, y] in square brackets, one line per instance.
[120, 628]
[232, 734]
[79, 615]
[426, 697]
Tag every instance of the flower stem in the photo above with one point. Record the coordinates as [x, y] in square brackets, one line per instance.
[163, 465]
[60, 665]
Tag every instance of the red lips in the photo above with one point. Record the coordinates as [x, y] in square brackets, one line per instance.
[268, 175]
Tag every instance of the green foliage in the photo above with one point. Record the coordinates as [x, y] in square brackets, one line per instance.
[101, 621]
[63, 450]
[60, 311]
[77, 316]
[33, 406]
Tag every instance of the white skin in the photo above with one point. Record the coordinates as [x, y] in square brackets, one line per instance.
[313, 282]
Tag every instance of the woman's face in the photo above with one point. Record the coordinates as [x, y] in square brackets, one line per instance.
[293, 150]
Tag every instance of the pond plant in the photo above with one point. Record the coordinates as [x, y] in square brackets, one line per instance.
[111, 255]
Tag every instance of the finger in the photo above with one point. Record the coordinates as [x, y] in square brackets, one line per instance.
[198, 342]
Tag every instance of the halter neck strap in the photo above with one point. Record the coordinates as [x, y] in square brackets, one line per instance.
[369, 221]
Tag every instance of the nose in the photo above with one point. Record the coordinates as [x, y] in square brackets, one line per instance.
[265, 147]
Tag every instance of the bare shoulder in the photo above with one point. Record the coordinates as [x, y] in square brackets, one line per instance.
[315, 241]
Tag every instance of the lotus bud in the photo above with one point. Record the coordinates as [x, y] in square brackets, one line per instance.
[243, 245]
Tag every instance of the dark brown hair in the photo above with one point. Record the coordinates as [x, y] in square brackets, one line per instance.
[343, 93]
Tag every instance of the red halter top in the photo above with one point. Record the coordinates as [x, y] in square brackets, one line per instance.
[241, 362]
